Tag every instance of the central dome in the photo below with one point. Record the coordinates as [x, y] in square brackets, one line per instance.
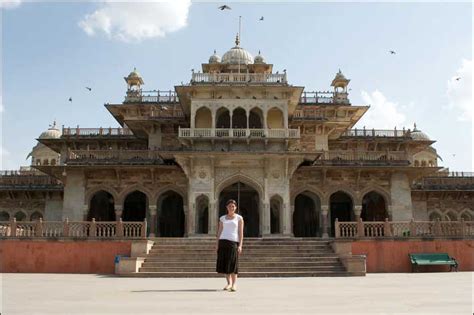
[237, 55]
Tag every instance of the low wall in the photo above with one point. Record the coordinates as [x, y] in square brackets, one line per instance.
[392, 255]
[61, 256]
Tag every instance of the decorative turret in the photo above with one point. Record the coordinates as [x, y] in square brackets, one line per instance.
[134, 89]
[215, 58]
[41, 154]
[340, 84]
[259, 58]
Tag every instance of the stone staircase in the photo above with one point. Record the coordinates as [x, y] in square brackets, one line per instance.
[270, 257]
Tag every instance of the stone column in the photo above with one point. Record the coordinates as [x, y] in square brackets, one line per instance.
[390, 213]
[212, 224]
[191, 227]
[286, 219]
[400, 194]
[186, 220]
[357, 212]
[266, 219]
[118, 211]
[153, 223]
[74, 196]
[325, 215]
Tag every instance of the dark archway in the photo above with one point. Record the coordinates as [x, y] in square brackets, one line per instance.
[4, 216]
[35, 216]
[341, 208]
[202, 215]
[248, 208]
[239, 119]
[101, 207]
[20, 216]
[306, 215]
[171, 216]
[256, 119]
[276, 213]
[373, 207]
[223, 118]
[134, 207]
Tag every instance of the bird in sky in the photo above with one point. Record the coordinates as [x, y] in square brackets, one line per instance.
[392, 52]
[261, 18]
[458, 78]
[224, 7]
[90, 89]
[70, 99]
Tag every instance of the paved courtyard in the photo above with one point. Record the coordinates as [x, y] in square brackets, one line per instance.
[421, 293]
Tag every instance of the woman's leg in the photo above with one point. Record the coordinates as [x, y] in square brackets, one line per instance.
[233, 276]
[229, 283]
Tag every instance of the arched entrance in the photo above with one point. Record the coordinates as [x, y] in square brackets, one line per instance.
[4, 216]
[239, 119]
[35, 216]
[276, 214]
[306, 215]
[248, 206]
[134, 207]
[202, 215]
[341, 208]
[101, 207]
[373, 207]
[171, 215]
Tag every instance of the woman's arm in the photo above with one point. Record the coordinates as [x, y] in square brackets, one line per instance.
[219, 232]
[241, 235]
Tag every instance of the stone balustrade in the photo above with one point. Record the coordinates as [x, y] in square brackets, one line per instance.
[114, 157]
[76, 229]
[317, 97]
[239, 133]
[21, 180]
[353, 157]
[361, 229]
[272, 78]
[95, 132]
[378, 133]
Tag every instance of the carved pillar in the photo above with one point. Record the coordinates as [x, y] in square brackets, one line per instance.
[266, 219]
[325, 215]
[85, 211]
[193, 117]
[230, 115]
[153, 223]
[191, 217]
[118, 211]
[285, 119]
[389, 212]
[186, 220]
[212, 224]
[357, 212]
[213, 113]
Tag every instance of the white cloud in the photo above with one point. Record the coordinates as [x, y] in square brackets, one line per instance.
[459, 92]
[9, 4]
[382, 113]
[134, 22]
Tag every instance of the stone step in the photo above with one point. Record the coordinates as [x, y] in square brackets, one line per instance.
[248, 246]
[241, 269]
[244, 274]
[241, 264]
[244, 249]
[276, 259]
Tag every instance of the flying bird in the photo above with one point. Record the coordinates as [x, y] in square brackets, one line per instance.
[261, 18]
[90, 89]
[224, 7]
[70, 99]
[392, 52]
[458, 78]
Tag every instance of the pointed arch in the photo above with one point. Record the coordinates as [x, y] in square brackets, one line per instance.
[238, 178]
[135, 187]
[92, 191]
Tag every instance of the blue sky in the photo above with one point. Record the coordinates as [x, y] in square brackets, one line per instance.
[51, 51]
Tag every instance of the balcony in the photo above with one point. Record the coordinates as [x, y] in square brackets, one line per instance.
[77, 132]
[155, 96]
[446, 181]
[114, 157]
[324, 98]
[243, 78]
[221, 133]
[17, 180]
[363, 158]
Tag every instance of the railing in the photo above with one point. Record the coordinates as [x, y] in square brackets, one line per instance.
[155, 96]
[114, 156]
[411, 228]
[26, 180]
[76, 229]
[350, 157]
[444, 183]
[273, 78]
[324, 98]
[377, 133]
[239, 133]
[94, 132]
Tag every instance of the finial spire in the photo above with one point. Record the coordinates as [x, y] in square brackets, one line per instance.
[237, 40]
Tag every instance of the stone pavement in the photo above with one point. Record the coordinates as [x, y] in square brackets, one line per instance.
[421, 293]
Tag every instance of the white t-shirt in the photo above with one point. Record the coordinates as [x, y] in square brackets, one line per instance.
[230, 230]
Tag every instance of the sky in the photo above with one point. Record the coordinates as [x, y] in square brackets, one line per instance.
[52, 50]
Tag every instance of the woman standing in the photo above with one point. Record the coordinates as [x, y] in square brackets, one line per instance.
[230, 236]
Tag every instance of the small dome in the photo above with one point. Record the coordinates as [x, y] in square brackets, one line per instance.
[134, 74]
[51, 133]
[259, 58]
[237, 55]
[419, 135]
[215, 58]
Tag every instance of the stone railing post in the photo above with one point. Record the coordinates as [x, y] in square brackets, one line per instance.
[143, 232]
[119, 228]
[39, 228]
[66, 228]
[118, 212]
[412, 228]
[324, 212]
[13, 227]
[360, 228]
[337, 231]
[152, 220]
[357, 212]
[93, 229]
[387, 231]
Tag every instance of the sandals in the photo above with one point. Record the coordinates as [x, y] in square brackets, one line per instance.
[227, 287]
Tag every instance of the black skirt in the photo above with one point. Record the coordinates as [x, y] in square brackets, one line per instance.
[227, 257]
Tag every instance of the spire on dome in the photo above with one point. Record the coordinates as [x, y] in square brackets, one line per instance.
[237, 40]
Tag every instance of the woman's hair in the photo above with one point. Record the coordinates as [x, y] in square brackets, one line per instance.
[231, 201]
